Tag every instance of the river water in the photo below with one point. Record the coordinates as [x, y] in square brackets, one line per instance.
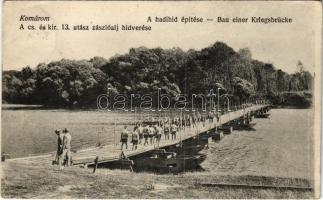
[280, 145]
[31, 132]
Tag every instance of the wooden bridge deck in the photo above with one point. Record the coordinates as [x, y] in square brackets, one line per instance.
[111, 152]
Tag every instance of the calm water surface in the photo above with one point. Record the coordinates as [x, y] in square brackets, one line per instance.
[279, 146]
[31, 132]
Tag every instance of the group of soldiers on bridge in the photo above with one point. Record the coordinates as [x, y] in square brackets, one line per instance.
[150, 132]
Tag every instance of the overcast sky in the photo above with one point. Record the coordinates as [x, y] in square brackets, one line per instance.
[281, 44]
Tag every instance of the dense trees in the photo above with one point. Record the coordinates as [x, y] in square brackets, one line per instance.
[143, 70]
[299, 99]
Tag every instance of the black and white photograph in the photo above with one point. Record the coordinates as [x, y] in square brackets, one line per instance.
[161, 99]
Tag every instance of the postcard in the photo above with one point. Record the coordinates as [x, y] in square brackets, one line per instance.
[161, 99]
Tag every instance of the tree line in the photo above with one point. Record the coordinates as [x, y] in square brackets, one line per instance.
[77, 83]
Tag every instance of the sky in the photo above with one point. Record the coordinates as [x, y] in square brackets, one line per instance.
[281, 44]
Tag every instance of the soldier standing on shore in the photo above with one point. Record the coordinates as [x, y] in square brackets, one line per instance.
[59, 152]
[67, 147]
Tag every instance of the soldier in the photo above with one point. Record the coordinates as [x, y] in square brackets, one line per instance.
[152, 133]
[124, 138]
[166, 131]
[140, 132]
[194, 119]
[67, 147]
[189, 119]
[198, 116]
[146, 134]
[173, 131]
[134, 138]
[158, 133]
[59, 152]
[184, 120]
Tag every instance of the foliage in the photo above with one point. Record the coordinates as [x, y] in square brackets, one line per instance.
[144, 70]
[297, 99]
[243, 89]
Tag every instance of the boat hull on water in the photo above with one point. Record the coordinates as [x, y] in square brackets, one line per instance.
[265, 115]
[236, 125]
[175, 164]
[244, 126]
[122, 163]
[190, 146]
[185, 149]
[158, 161]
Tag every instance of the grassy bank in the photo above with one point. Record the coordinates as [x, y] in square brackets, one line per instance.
[45, 181]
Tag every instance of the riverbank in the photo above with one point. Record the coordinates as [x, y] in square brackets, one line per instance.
[46, 181]
[292, 99]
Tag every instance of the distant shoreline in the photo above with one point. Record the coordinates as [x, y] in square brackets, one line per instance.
[279, 106]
